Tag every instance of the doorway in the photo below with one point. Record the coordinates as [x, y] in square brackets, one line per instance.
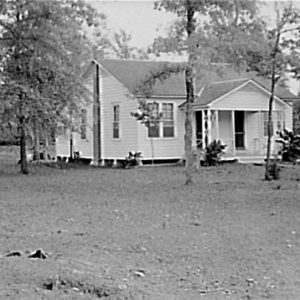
[199, 129]
[239, 127]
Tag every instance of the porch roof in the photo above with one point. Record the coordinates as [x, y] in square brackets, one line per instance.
[218, 89]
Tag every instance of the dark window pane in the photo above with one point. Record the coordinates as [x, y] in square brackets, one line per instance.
[168, 131]
[153, 131]
[116, 130]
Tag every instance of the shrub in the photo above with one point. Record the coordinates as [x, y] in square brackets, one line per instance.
[290, 145]
[212, 153]
[133, 159]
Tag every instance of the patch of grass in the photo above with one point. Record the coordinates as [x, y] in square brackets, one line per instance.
[230, 231]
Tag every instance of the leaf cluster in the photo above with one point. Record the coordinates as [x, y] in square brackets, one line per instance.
[290, 143]
[147, 114]
[43, 46]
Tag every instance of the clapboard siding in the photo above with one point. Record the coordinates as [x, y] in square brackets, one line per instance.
[85, 146]
[226, 130]
[164, 148]
[114, 93]
[242, 100]
[62, 145]
[253, 132]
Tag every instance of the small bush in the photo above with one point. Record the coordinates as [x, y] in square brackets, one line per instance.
[212, 153]
[290, 142]
[133, 159]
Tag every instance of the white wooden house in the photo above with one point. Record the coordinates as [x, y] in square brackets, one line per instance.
[232, 109]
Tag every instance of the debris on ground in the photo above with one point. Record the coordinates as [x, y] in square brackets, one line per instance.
[39, 253]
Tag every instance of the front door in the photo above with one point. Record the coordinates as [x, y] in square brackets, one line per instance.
[199, 135]
[239, 119]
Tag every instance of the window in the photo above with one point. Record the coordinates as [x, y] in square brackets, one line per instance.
[83, 124]
[164, 127]
[266, 120]
[168, 119]
[153, 129]
[280, 121]
[116, 122]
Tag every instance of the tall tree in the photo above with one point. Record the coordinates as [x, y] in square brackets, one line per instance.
[277, 55]
[43, 44]
[196, 36]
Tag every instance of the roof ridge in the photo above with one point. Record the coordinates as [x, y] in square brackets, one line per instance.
[140, 60]
[232, 80]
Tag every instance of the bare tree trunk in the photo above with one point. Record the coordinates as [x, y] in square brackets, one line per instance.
[270, 127]
[152, 151]
[36, 140]
[267, 171]
[46, 149]
[23, 156]
[189, 158]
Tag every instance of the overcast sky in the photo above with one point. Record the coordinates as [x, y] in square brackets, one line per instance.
[142, 21]
[137, 18]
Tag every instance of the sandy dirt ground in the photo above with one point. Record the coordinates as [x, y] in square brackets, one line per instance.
[142, 234]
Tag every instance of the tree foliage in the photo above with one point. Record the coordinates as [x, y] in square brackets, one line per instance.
[43, 49]
[207, 31]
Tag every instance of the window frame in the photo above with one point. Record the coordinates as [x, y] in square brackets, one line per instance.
[160, 125]
[116, 122]
[156, 126]
[166, 119]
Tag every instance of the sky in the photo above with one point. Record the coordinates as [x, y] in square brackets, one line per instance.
[138, 18]
[143, 22]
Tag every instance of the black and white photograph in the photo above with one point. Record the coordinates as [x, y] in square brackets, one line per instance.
[149, 149]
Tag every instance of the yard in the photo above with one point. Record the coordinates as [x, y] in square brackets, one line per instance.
[142, 234]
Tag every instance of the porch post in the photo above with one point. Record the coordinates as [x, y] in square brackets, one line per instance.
[233, 131]
[207, 127]
[217, 124]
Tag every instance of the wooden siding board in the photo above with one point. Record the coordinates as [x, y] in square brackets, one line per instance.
[114, 93]
[85, 146]
[252, 132]
[240, 100]
[62, 145]
[225, 130]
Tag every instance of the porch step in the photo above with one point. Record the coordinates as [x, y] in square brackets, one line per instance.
[252, 160]
[247, 159]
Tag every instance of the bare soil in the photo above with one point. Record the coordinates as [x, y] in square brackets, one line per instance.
[142, 234]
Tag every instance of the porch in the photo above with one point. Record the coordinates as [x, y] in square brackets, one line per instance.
[242, 131]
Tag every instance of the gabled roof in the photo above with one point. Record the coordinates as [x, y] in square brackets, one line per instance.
[218, 89]
[131, 72]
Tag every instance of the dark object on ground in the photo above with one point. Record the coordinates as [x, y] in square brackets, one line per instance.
[39, 253]
[14, 253]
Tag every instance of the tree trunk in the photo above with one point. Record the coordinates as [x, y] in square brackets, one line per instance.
[189, 158]
[152, 151]
[273, 84]
[36, 141]
[270, 119]
[46, 147]
[23, 156]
